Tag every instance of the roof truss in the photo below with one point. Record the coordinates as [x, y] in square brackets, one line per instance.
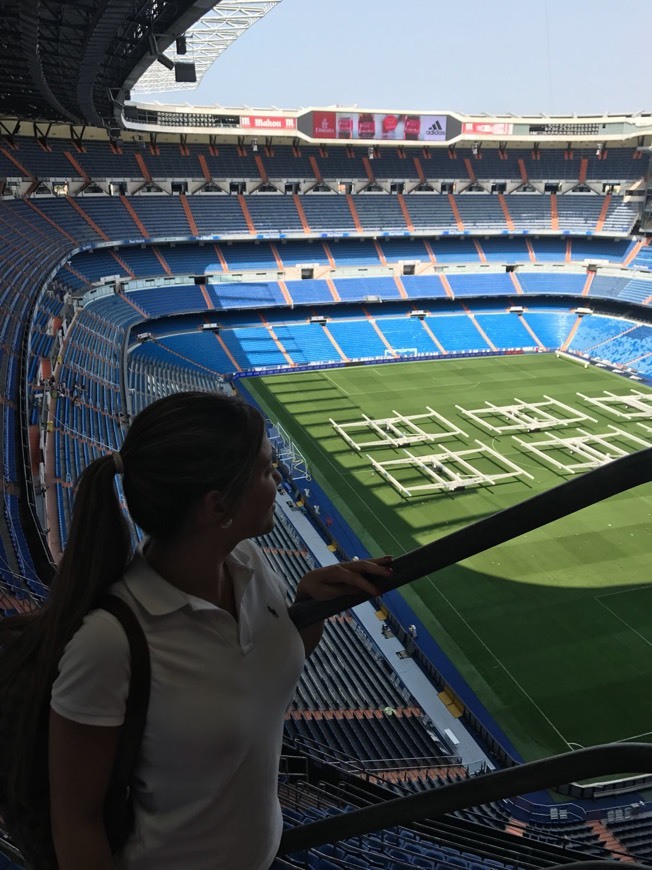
[206, 40]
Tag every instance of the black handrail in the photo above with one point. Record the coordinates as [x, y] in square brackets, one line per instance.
[573, 495]
[11, 852]
[608, 759]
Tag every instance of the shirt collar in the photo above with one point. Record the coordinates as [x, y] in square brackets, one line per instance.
[159, 598]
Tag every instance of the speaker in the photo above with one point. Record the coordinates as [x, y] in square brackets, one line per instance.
[181, 45]
[185, 72]
[167, 62]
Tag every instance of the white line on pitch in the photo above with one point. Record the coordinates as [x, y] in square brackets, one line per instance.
[504, 667]
[624, 591]
[401, 548]
[337, 386]
[624, 622]
[635, 737]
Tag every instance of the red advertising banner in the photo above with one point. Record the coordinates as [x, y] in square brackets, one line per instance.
[268, 122]
[376, 125]
[324, 125]
[487, 128]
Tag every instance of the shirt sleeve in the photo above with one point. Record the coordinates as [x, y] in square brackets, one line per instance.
[94, 673]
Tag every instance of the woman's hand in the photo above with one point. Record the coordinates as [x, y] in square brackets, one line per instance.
[344, 578]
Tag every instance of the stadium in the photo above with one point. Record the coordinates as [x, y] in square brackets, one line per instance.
[441, 316]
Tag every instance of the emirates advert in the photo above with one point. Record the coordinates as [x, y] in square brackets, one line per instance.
[324, 125]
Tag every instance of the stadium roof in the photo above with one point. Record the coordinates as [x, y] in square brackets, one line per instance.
[70, 60]
[206, 40]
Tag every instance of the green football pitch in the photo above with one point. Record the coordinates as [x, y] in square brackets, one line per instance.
[552, 630]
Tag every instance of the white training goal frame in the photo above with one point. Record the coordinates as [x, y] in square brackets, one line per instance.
[626, 406]
[525, 416]
[287, 452]
[442, 476]
[589, 450]
[388, 433]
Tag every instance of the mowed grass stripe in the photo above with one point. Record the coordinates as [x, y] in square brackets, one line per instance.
[524, 613]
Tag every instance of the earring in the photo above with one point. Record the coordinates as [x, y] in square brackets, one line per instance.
[226, 523]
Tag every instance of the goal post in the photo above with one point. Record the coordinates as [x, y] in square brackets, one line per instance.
[286, 452]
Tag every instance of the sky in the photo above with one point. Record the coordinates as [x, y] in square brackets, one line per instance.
[476, 56]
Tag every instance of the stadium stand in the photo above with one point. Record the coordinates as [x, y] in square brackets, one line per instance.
[547, 283]
[505, 331]
[199, 351]
[596, 331]
[328, 211]
[196, 259]
[215, 213]
[469, 843]
[338, 712]
[57, 220]
[498, 284]
[248, 344]
[74, 367]
[356, 289]
[345, 687]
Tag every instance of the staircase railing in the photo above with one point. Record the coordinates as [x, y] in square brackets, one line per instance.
[567, 498]
[546, 773]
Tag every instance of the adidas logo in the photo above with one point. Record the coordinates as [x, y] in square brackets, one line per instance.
[434, 128]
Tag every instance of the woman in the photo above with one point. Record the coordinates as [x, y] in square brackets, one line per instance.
[199, 481]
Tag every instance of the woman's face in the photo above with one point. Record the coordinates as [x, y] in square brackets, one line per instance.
[255, 512]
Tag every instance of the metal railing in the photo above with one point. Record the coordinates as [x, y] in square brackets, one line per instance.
[483, 789]
[571, 496]
[553, 504]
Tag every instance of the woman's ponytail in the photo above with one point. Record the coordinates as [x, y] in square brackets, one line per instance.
[98, 548]
[96, 556]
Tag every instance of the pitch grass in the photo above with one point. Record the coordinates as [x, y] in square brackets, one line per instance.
[553, 630]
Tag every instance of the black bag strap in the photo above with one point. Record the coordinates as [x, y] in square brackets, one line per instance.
[139, 689]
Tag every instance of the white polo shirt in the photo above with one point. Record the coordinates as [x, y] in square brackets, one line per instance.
[206, 794]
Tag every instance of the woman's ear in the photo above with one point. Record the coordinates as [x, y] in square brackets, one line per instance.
[211, 510]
